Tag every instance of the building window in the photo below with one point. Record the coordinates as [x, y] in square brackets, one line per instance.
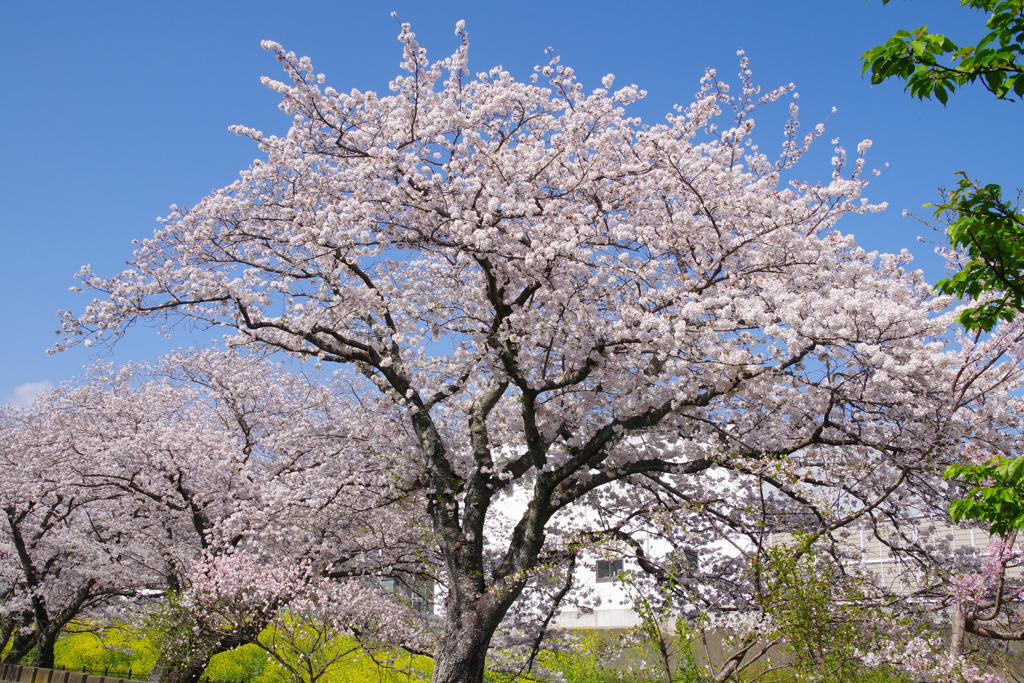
[607, 570]
[415, 593]
[692, 559]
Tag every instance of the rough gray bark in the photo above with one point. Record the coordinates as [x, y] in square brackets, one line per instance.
[958, 624]
[21, 645]
[174, 666]
[44, 656]
[168, 670]
[471, 619]
[461, 653]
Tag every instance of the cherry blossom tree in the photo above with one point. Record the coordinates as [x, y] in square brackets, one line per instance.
[63, 547]
[571, 313]
[291, 483]
[168, 477]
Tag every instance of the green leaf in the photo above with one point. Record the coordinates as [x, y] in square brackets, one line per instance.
[1018, 85]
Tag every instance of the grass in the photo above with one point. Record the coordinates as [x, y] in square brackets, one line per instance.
[122, 649]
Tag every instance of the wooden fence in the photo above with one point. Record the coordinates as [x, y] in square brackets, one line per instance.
[13, 673]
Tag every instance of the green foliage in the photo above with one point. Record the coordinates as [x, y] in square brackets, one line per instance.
[674, 648]
[601, 658]
[997, 496]
[988, 227]
[991, 230]
[825, 615]
[592, 663]
[916, 57]
[117, 649]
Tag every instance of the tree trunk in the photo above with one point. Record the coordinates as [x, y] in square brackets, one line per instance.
[471, 617]
[10, 626]
[45, 641]
[186, 663]
[666, 658]
[461, 654]
[958, 625]
[21, 645]
[169, 668]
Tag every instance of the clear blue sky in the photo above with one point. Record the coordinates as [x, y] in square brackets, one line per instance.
[113, 110]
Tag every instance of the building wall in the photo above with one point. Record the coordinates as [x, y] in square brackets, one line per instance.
[614, 610]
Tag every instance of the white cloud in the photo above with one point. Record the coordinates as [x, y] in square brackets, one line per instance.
[23, 394]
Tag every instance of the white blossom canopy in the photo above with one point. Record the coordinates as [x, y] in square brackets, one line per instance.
[559, 297]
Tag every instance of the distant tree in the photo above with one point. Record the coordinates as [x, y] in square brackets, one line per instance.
[61, 547]
[210, 479]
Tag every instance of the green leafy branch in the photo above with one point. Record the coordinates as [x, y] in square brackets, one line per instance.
[916, 56]
[991, 230]
[997, 496]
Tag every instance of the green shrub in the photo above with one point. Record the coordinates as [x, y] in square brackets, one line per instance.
[119, 649]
